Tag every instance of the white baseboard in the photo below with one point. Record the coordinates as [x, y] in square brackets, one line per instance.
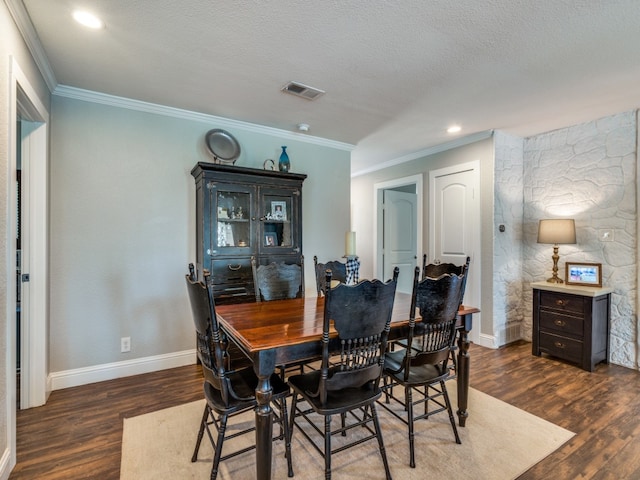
[488, 341]
[110, 371]
[5, 465]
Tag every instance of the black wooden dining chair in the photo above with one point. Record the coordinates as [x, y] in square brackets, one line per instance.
[278, 280]
[338, 272]
[434, 270]
[349, 381]
[422, 369]
[227, 392]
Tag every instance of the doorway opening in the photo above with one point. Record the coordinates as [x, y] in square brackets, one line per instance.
[398, 215]
[18, 261]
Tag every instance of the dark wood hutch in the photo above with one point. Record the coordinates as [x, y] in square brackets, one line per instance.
[244, 213]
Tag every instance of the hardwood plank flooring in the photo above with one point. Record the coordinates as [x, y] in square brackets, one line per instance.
[78, 434]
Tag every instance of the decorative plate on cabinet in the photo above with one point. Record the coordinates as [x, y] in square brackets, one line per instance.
[223, 146]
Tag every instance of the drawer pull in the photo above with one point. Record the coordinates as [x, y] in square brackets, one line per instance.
[235, 267]
[560, 323]
[559, 302]
[559, 344]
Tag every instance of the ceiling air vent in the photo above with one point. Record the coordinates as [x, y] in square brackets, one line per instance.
[304, 91]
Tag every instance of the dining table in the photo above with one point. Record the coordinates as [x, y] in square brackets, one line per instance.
[283, 332]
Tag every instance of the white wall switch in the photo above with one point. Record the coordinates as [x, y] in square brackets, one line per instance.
[605, 234]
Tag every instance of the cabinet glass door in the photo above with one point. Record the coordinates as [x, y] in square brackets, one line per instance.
[278, 222]
[233, 219]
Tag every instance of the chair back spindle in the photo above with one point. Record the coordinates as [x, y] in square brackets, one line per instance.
[437, 300]
[361, 315]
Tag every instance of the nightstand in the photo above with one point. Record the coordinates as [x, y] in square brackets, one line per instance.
[571, 322]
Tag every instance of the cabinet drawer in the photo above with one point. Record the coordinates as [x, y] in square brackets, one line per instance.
[232, 280]
[561, 347]
[562, 302]
[562, 324]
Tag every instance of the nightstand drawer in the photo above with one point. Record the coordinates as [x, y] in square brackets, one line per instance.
[562, 302]
[562, 324]
[562, 347]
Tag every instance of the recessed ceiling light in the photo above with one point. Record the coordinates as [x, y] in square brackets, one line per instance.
[87, 19]
[454, 129]
[303, 127]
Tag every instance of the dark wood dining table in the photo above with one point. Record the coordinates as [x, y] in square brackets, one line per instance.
[287, 331]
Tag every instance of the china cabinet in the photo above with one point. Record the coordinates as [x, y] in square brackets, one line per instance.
[244, 213]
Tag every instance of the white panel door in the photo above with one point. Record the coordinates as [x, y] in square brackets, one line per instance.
[399, 237]
[454, 227]
[453, 217]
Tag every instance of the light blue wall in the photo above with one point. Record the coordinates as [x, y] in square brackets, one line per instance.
[123, 226]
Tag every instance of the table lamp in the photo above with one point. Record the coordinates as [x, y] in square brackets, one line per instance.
[556, 231]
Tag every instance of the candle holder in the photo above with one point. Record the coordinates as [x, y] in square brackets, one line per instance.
[353, 269]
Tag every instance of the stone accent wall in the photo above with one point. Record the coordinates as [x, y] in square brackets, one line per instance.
[587, 172]
[507, 245]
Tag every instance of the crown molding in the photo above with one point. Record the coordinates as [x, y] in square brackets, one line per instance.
[121, 102]
[30, 37]
[426, 152]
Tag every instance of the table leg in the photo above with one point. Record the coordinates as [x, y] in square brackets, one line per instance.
[264, 366]
[463, 370]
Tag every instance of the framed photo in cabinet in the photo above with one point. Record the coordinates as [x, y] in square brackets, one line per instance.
[279, 210]
[270, 240]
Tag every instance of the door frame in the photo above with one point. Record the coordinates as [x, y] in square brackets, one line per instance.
[378, 189]
[35, 384]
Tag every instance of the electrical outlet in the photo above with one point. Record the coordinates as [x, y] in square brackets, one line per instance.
[606, 235]
[125, 344]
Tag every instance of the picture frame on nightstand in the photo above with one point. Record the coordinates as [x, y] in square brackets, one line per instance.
[587, 274]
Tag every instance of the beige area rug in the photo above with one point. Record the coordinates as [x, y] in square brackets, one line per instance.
[499, 442]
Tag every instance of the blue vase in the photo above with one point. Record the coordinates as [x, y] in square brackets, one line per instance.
[283, 162]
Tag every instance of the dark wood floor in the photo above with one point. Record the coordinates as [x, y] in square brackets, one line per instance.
[78, 434]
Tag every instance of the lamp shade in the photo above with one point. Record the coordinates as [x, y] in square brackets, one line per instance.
[557, 231]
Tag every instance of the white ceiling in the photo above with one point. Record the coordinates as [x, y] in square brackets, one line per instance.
[397, 73]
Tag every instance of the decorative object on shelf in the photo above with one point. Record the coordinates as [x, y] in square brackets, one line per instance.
[225, 235]
[223, 146]
[589, 274]
[271, 167]
[283, 163]
[556, 231]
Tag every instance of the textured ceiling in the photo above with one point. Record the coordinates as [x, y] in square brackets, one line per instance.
[396, 73]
